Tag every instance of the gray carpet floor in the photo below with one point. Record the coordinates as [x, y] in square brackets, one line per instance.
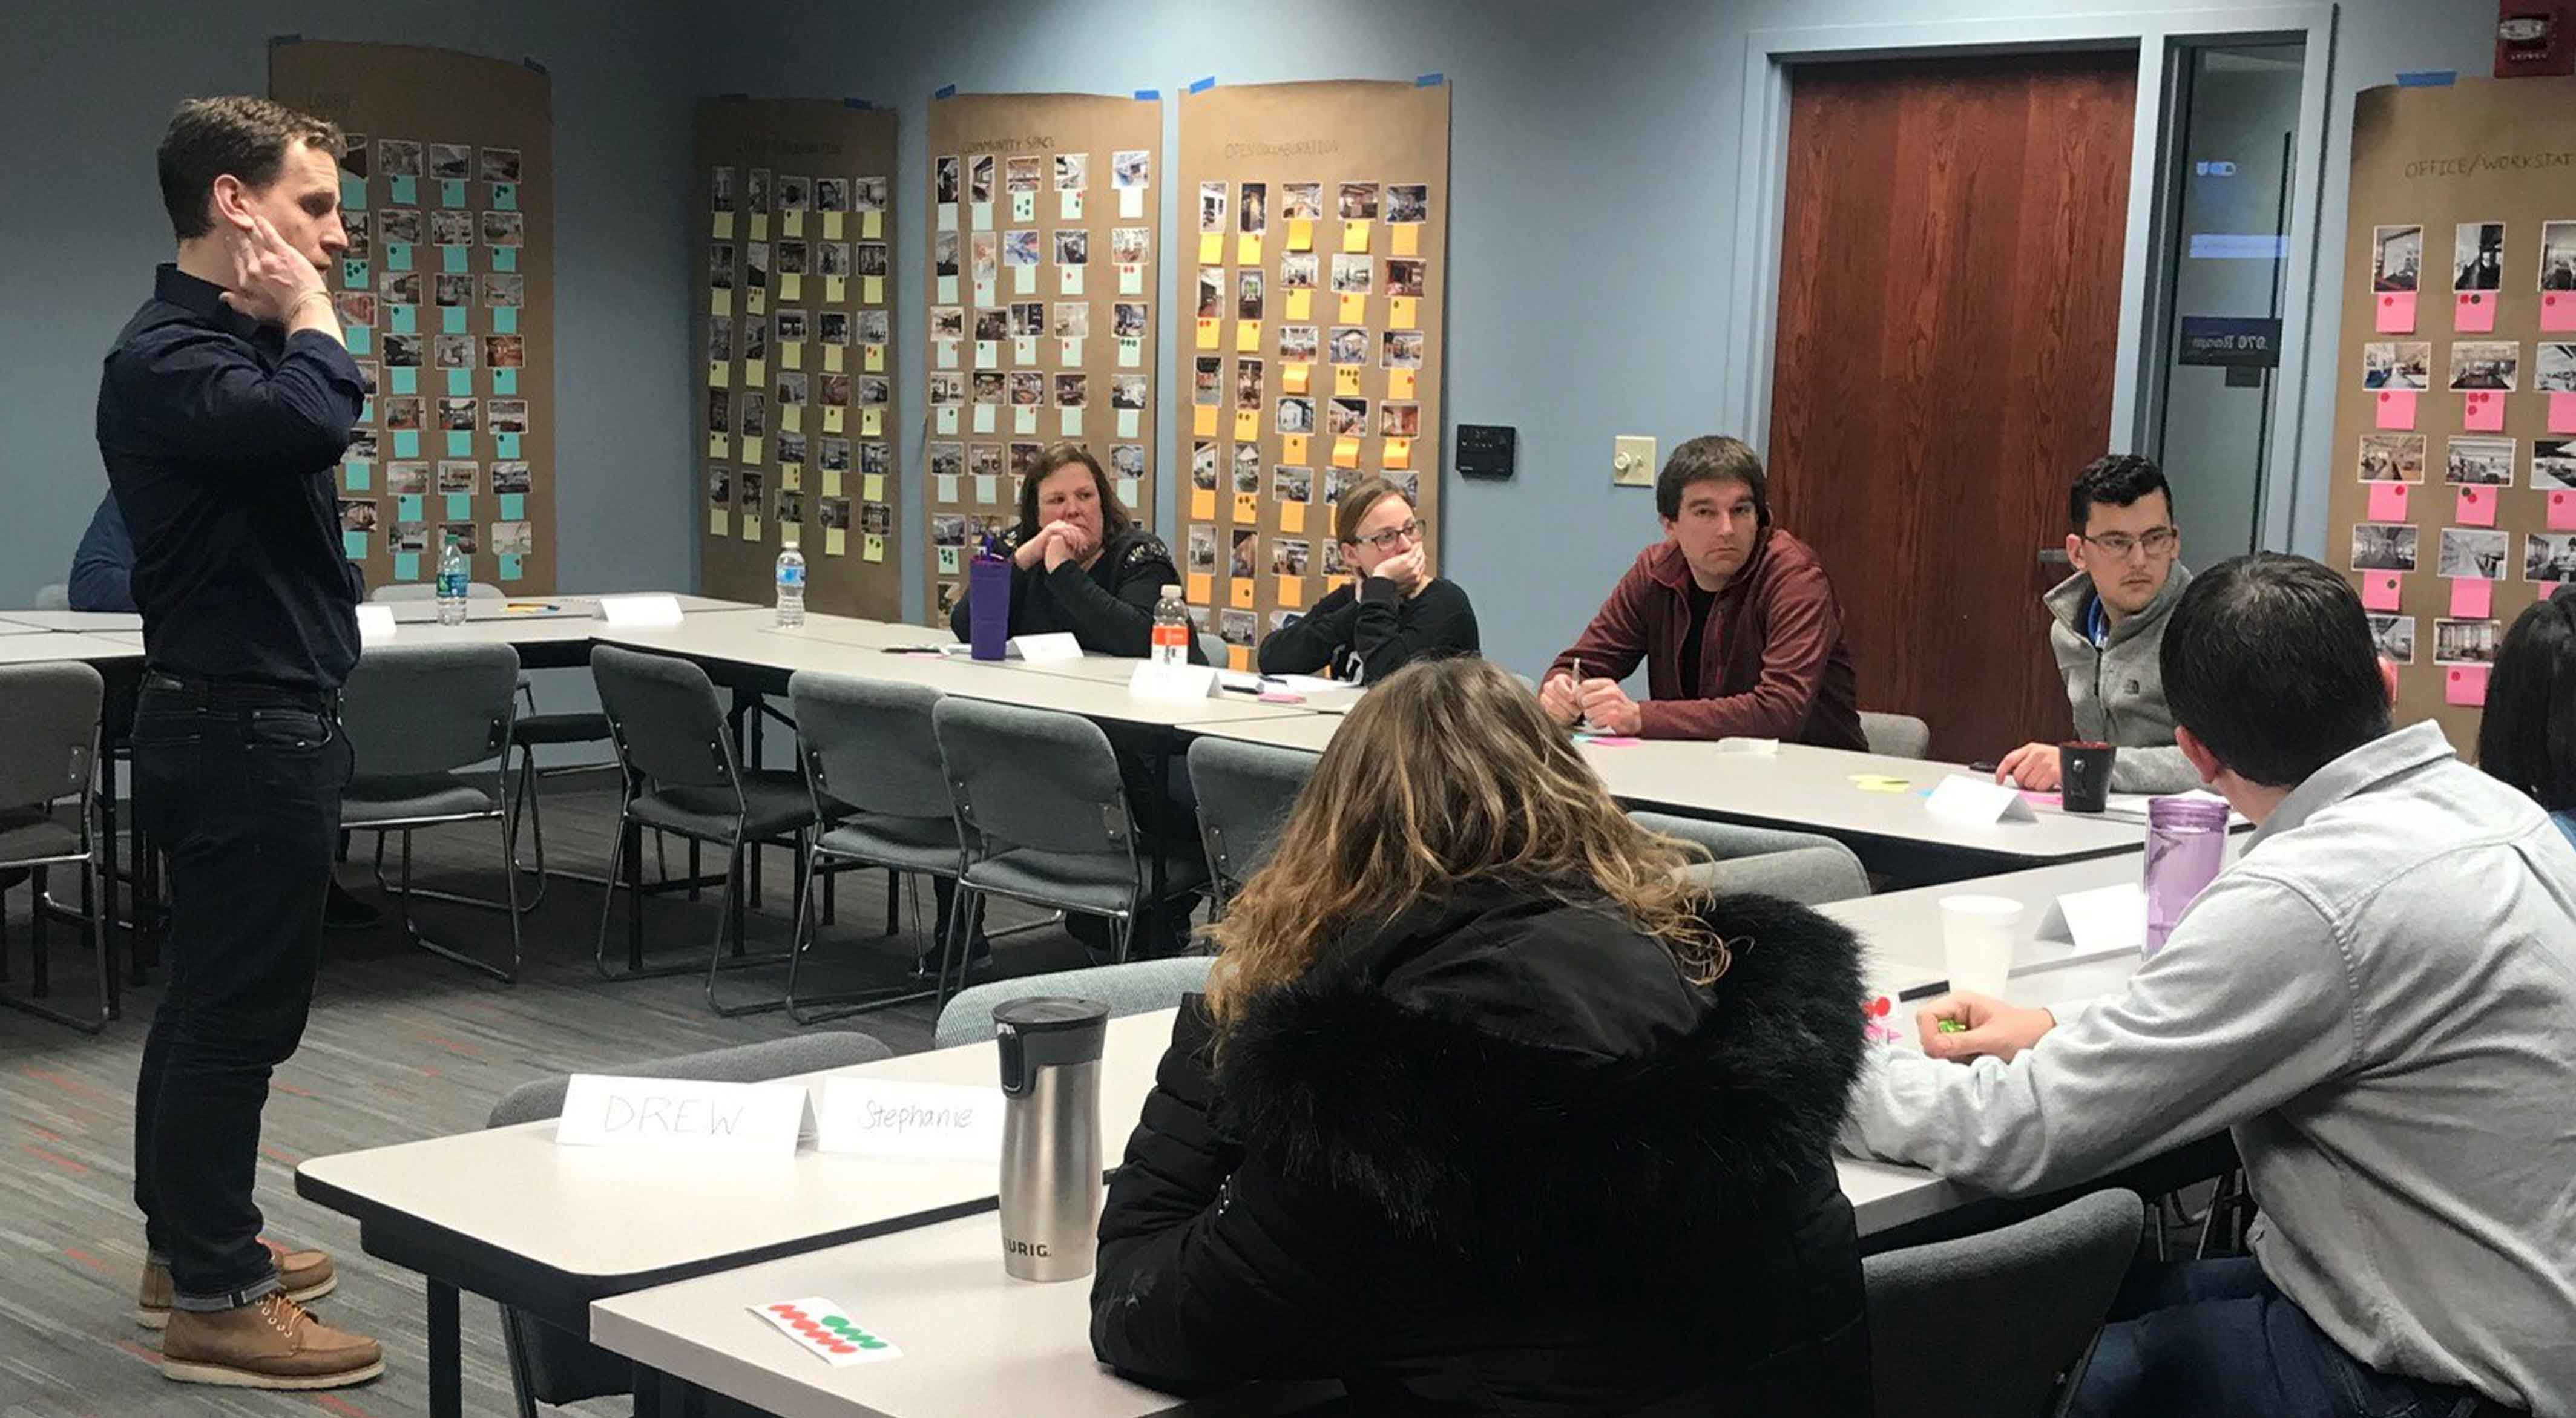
[402, 1045]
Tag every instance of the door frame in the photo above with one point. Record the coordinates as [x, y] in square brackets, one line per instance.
[2160, 39]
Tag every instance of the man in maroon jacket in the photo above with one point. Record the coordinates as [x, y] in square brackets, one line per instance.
[1734, 618]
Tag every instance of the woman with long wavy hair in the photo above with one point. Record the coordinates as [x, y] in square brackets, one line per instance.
[1487, 1110]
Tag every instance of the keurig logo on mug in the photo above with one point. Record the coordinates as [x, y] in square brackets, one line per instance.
[1022, 1248]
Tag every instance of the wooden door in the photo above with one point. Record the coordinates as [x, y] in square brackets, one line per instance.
[1948, 322]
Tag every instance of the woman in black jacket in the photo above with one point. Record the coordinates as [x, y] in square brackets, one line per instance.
[1398, 612]
[1080, 563]
[1485, 1112]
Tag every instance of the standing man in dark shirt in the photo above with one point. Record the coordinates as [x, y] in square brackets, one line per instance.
[222, 411]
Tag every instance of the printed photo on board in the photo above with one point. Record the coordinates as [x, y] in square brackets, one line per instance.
[2485, 364]
[2549, 556]
[2477, 256]
[2478, 462]
[2553, 464]
[2384, 546]
[2558, 256]
[2397, 364]
[2554, 367]
[2466, 642]
[2396, 257]
[2392, 457]
[2396, 637]
[2473, 552]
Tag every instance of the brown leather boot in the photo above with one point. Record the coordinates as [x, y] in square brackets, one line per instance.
[272, 1342]
[304, 1275]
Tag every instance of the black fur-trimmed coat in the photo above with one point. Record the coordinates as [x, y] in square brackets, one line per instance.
[1500, 1157]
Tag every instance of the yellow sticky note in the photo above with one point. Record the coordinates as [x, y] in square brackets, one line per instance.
[791, 286]
[1403, 312]
[791, 223]
[1346, 452]
[720, 302]
[872, 486]
[1239, 593]
[872, 421]
[1293, 377]
[1203, 420]
[720, 519]
[755, 373]
[1247, 337]
[831, 482]
[750, 528]
[791, 355]
[791, 477]
[1208, 332]
[719, 375]
[836, 541]
[874, 359]
[1399, 383]
[1247, 425]
[759, 226]
[791, 418]
[751, 451]
[1301, 234]
[873, 549]
[1292, 592]
[832, 359]
[836, 290]
[755, 302]
[1247, 249]
[871, 226]
[1354, 307]
[835, 418]
[1406, 236]
[1247, 508]
[1292, 516]
[1399, 453]
[719, 445]
[1346, 381]
[1202, 585]
[871, 290]
[1211, 248]
[1292, 449]
[724, 232]
[1301, 305]
[1238, 658]
[1355, 234]
[831, 226]
[1203, 507]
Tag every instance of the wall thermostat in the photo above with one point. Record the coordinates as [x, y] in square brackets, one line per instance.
[1487, 450]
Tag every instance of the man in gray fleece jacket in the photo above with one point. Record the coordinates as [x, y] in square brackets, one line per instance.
[2106, 624]
[2379, 1000]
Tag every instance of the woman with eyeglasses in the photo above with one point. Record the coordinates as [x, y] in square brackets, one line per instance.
[1399, 611]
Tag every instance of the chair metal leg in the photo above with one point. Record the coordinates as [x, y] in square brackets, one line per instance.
[818, 873]
[730, 932]
[509, 883]
[523, 1382]
[39, 981]
[458, 898]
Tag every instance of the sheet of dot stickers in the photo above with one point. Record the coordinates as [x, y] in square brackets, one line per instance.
[826, 1331]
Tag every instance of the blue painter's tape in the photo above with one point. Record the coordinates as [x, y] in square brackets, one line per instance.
[2427, 78]
[946, 91]
[1430, 80]
[535, 68]
[1149, 95]
[1203, 85]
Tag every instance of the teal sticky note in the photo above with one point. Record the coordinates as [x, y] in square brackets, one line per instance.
[514, 506]
[361, 474]
[407, 508]
[505, 196]
[353, 275]
[505, 445]
[460, 444]
[451, 320]
[406, 563]
[353, 545]
[451, 259]
[509, 567]
[505, 258]
[406, 440]
[406, 319]
[360, 339]
[451, 192]
[505, 318]
[367, 410]
[406, 191]
[397, 255]
[460, 507]
[406, 380]
[353, 192]
[460, 384]
[505, 381]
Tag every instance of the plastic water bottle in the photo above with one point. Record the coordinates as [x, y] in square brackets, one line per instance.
[2186, 846]
[451, 584]
[1171, 629]
[791, 586]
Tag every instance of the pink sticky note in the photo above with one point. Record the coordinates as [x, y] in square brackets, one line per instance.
[2472, 598]
[2483, 412]
[2379, 590]
[2397, 312]
[2562, 413]
[1613, 741]
[2477, 507]
[2387, 502]
[2465, 685]
[2396, 408]
[2562, 511]
[2473, 312]
[2558, 311]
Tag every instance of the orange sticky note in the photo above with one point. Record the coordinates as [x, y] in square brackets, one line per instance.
[1202, 587]
[2396, 312]
[2473, 312]
[2562, 413]
[1208, 332]
[1247, 249]
[1301, 234]
[2387, 502]
[2482, 412]
[2557, 316]
[1211, 248]
[1247, 425]
[1399, 383]
[1292, 516]
[2379, 590]
[1247, 509]
[2562, 511]
[2465, 685]
[1203, 503]
[2472, 598]
[1403, 312]
[1301, 305]
[1355, 234]
[1406, 238]
[1238, 658]
[2396, 408]
[1239, 594]
[1346, 381]
[1203, 420]
[1247, 337]
[2477, 507]
[1293, 377]
[1292, 592]
[1354, 307]
[1292, 449]
[1399, 453]
[1346, 452]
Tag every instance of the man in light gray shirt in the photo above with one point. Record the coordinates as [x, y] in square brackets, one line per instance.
[2379, 1000]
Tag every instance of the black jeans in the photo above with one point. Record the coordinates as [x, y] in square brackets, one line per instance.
[240, 785]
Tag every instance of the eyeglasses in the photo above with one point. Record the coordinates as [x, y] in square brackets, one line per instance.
[1386, 540]
[2118, 545]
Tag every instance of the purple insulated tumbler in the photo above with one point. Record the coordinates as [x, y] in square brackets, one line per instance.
[988, 606]
[2186, 843]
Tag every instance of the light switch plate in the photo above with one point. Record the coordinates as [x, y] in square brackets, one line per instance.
[1632, 461]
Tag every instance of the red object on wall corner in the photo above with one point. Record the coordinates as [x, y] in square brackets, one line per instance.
[2534, 39]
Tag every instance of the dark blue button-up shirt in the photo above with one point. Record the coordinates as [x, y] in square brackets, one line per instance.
[220, 437]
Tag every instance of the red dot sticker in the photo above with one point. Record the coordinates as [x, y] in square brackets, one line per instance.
[782, 1309]
[2383, 396]
[840, 1348]
[2388, 300]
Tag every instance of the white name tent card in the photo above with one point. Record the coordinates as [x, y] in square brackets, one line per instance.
[640, 610]
[1046, 649]
[1153, 681]
[1763, 748]
[375, 623]
[681, 1115]
[884, 1117]
[1975, 801]
[2105, 921]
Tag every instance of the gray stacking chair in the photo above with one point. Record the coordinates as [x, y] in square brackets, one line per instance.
[47, 760]
[1212, 648]
[551, 1365]
[1043, 814]
[1802, 866]
[2013, 1312]
[1244, 792]
[682, 777]
[1138, 987]
[430, 728]
[54, 596]
[1896, 735]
